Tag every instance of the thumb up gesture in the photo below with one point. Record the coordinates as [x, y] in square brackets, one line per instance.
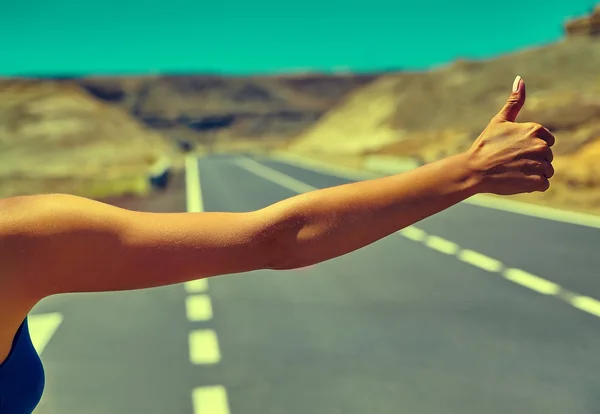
[510, 157]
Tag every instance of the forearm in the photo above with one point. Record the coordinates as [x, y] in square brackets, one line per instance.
[327, 223]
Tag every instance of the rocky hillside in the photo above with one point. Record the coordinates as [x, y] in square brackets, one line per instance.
[433, 114]
[101, 136]
[227, 110]
[423, 113]
[54, 137]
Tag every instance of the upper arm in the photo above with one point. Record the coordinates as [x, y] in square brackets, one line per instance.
[62, 243]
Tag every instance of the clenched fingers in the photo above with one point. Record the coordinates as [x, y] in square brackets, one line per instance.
[539, 183]
[547, 154]
[548, 169]
[537, 166]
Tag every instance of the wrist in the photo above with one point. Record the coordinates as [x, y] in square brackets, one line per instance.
[470, 177]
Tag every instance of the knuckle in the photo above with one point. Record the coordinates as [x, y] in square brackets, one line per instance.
[533, 126]
[535, 164]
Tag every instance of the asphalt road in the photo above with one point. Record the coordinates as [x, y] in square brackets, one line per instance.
[429, 321]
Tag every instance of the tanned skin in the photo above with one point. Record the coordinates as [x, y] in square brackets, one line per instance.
[57, 243]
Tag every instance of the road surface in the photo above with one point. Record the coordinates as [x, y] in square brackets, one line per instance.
[474, 310]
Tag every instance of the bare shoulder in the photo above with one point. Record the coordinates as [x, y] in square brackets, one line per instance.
[35, 221]
[31, 251]
[39, 234]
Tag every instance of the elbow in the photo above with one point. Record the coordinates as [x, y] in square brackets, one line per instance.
[286, 262]
[280, 247]
[281, 252]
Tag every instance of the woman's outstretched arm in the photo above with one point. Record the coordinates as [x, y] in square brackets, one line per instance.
[60, 243]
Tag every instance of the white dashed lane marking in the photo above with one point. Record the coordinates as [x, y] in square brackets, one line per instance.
[198, 308]
[441, 245]
[196, 286]
[586, 304]
[414, 234]
[532, 282]
[203, 343]
[204, 347]
[518, 276]
[210, 400]
[479, 260]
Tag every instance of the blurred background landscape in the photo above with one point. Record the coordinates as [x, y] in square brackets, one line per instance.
[106, 135]
[487, 307]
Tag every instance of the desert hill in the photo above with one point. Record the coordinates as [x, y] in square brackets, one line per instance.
[433, 114]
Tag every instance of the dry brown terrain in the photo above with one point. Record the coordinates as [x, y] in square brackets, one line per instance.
[227, 111]
[54, 137]
[100, 136]
[432, 114]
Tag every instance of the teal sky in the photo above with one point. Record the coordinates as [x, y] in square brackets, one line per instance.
[44, 37]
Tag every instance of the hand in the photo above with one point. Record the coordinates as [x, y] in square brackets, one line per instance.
[512, 158]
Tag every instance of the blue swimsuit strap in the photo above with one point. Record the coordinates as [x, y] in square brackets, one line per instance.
[22, 377]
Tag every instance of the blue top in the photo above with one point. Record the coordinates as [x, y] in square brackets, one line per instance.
[22, 376]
